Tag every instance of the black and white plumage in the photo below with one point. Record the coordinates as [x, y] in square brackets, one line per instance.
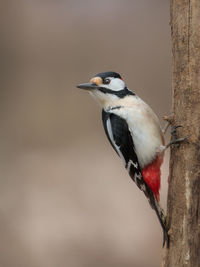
[120, 138]
[132, 129]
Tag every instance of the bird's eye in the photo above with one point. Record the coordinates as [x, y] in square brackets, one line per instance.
[107, 81]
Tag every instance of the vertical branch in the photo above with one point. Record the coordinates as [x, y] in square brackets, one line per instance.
[183, 211]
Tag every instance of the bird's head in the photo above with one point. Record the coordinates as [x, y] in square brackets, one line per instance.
[106, 87]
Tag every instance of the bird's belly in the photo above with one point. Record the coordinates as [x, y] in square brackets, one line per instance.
[146, 145]
[145, 130]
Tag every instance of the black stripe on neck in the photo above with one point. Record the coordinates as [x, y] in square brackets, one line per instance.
[121, 94]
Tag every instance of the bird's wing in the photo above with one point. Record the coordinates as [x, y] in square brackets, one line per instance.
[121, 140]
[120, 137]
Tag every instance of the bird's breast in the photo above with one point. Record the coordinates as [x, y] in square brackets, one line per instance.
[145, 129]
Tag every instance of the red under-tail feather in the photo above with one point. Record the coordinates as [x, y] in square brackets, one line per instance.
[152, 174]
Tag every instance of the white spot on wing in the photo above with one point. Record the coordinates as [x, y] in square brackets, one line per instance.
[137, 177]
[131, 163]
[110, 133]
[143, 187]
[135, 165]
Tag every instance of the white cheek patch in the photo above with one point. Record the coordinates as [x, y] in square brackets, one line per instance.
[115, 84]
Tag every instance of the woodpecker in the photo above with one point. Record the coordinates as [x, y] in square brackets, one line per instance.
[134, 131]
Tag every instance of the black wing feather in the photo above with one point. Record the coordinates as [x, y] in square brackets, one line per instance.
[120, 138]
[122, 141]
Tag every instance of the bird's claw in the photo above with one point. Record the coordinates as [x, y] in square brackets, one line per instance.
[175, 140]
[173, 129]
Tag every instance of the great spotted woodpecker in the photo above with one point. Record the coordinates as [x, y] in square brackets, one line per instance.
[134, 132]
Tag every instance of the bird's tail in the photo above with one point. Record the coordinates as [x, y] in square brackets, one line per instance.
[137, 177]
[160, 214]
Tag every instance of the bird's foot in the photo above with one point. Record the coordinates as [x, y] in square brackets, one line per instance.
[170, 120]
[175, 140]
[164, 130]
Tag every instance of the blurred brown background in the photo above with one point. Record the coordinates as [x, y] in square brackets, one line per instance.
[65, 198]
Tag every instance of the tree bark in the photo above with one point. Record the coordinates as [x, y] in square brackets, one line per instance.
[183, 207]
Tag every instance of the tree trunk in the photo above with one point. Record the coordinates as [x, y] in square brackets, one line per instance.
[183, 211]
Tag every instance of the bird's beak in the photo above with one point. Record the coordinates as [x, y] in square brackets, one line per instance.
[87, 86]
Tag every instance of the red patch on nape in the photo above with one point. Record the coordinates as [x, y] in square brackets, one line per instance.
[152, 174]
